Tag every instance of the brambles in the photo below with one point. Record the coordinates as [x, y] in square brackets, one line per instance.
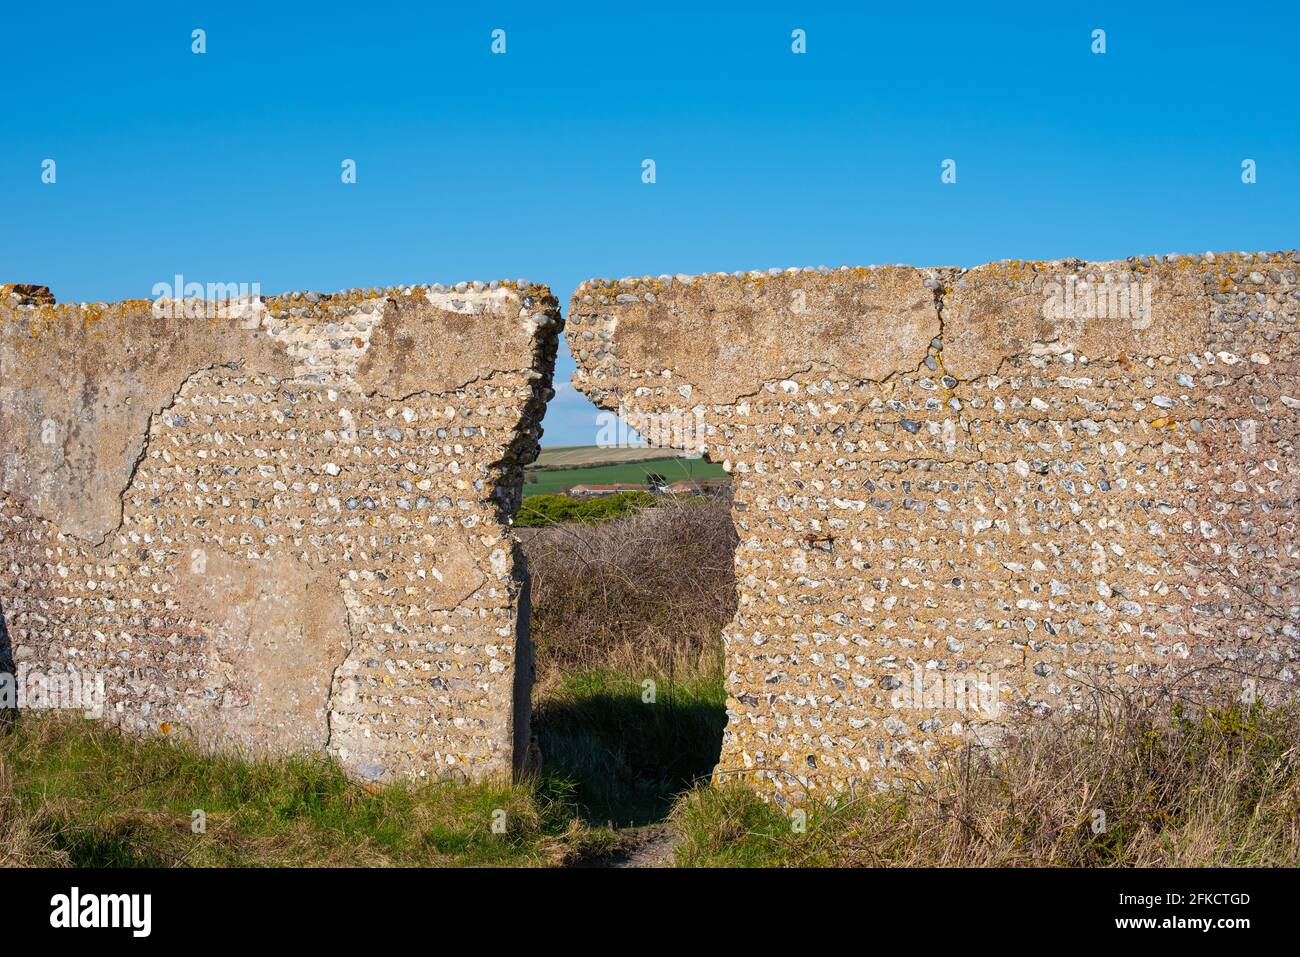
[647, 589]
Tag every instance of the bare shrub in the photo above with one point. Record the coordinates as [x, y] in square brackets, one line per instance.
[656, 587]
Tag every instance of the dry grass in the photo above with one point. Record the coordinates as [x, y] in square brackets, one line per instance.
[1136, 785]
[22, 838]
[586, 456]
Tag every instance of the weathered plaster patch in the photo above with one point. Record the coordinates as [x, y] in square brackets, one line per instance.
[277, 631]
[284, 527]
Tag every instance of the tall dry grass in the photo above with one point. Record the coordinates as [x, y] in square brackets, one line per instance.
[24, 837]
[1134, 783]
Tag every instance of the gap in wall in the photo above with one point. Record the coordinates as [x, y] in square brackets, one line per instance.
[626, 621]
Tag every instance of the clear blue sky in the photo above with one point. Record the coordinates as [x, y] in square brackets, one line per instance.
[226, 166]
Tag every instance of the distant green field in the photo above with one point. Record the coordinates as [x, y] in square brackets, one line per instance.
[581, 456]
[673, 469]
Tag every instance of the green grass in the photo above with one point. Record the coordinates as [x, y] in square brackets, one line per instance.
[730, 826]
[629, 758]
[550, 481]
[75, 793]
[78, 794]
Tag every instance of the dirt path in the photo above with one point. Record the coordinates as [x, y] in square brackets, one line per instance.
[649, 846]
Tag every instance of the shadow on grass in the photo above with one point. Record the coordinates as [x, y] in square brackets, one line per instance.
[627, 759]
[122, 845]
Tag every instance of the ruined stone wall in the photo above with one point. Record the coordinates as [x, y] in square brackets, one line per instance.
[1031, 477]
[280, 525]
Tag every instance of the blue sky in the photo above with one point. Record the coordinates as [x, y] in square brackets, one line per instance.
[225, 166]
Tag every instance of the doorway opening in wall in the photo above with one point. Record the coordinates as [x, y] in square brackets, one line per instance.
[631, 590]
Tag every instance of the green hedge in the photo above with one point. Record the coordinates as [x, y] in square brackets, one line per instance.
[539, 510]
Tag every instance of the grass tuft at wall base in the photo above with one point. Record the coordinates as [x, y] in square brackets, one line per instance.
[76, 793]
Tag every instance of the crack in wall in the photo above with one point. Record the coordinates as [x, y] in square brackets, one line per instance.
[493, 366]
